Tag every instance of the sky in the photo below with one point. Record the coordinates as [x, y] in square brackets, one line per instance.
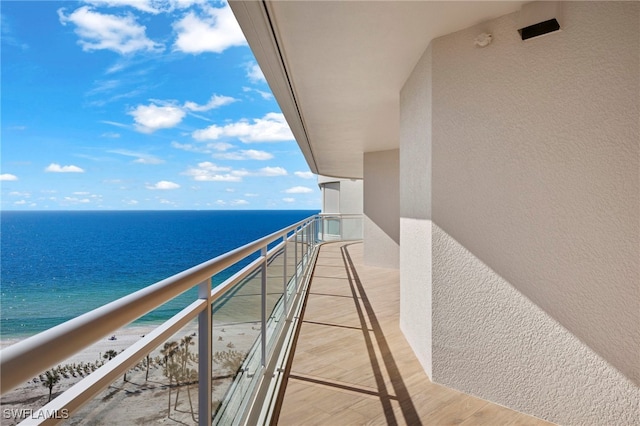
[140, 105]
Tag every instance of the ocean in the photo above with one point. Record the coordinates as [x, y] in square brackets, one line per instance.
[56, 265]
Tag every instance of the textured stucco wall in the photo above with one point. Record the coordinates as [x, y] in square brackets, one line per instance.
[492, 341]
[351, 196]
[535, 150]
[381, 208]
[415, 211]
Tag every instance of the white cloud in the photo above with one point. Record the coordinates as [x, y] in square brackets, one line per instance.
[304, 175]
[142, 5]
[164, 184]
[166, 114]
[57, 168]
[20, 202]
[249, 194]
[20, 194]
[254, 73]
[220, 146]
[246, 154]
[97, 31]
[288, 200]
[102, 86]
[183, 4]
[76, 200]
[114, 123]
[298, 190]
[150, 118]
[271, 128]
[209, 172]
[7, 177]
[208, 148]
[130, 202]
[272, 171]
[265, 95]
[112, 135]
[140, 158]
[213, 33]
[216, 101]
[149, 6]
[239, 202]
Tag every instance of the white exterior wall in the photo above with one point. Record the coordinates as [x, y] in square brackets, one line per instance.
[535, 202]
[351, 194]
[415, 211]
[342, 196]
[331, 197]
[381, 208]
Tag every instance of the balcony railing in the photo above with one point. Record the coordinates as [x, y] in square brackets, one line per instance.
[266, 295]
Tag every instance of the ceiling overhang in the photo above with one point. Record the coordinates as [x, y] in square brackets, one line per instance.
[336, 68]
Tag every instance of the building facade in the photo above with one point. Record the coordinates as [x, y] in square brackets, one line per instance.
[502, 180]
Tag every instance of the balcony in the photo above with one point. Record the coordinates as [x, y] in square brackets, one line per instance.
[303, 332]
[351, 363]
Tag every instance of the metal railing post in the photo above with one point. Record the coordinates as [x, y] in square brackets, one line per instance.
[295, 245]
[205, 332]
[322, 226]
[263, 306]
[304, 249]
[284, 275]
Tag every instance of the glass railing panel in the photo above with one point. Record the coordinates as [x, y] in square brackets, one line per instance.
[237, 353]
[161, 387]
[24, 401]
[236, 339]
[291, 271]
[275, 311]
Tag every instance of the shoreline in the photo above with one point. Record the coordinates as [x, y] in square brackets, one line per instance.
[232, 340]
[125, 337]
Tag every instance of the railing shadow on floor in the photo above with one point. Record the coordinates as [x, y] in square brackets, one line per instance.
[374, 338]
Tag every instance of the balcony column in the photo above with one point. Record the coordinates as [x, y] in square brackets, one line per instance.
[381, 208]
[416, 283]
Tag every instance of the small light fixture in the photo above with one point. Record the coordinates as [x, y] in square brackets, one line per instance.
[483, 40]
[539, 18]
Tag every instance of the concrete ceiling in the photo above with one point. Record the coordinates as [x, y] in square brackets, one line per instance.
[336, 67]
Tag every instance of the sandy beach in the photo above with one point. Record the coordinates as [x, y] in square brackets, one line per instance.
[141, 399]
[149, 395]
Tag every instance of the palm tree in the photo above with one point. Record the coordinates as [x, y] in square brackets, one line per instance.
[146, 377]
[110, 354]
[192, 376]
[184, 371]
[52, 377]
[170, 367]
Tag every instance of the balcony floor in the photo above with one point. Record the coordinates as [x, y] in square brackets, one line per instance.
[352, 364]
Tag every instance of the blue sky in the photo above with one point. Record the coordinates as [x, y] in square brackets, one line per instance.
[140, 104]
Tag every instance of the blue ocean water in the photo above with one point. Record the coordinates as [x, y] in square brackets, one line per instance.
[57, 265]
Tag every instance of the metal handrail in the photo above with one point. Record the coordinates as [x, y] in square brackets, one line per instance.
[29, 357]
